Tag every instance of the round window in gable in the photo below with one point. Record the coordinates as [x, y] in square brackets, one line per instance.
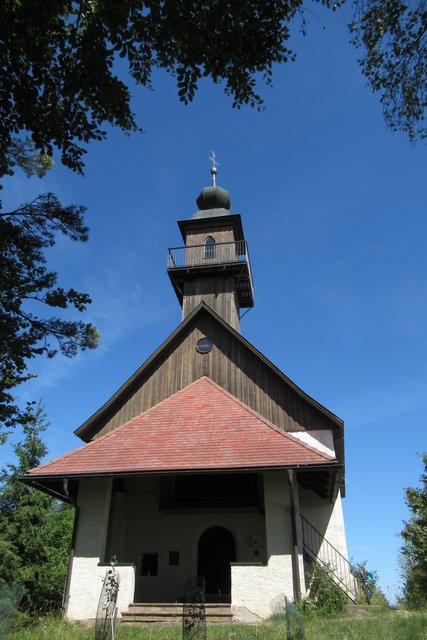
[204, 345]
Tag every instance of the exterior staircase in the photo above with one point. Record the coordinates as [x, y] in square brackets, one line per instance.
[317, 549]
[171, 613]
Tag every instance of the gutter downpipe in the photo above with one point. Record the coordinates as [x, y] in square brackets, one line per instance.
[72, 546]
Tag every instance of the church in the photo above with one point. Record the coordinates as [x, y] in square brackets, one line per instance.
[208, 463]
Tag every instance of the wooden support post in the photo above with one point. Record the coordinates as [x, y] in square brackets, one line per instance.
[295, 549]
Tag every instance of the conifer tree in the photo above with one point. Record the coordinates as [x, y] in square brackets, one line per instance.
[35, 529]
[29, 293]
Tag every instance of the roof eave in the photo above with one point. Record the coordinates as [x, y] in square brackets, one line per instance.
[37, 483]
[39, 479]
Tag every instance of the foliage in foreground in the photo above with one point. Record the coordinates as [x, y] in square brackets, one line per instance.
[35, 530]
[393, 38]
[414, 549]
[389, 625]
[58, 61]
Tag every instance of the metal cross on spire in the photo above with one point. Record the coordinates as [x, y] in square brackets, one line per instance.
[214, 168]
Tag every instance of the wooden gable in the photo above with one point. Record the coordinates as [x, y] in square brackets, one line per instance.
[233, 363]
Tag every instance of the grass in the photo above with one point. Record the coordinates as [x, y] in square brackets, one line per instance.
[385, 625]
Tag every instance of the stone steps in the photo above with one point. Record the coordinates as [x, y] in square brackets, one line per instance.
[171, 613]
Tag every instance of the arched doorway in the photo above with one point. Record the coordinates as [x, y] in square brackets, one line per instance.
[216, 550]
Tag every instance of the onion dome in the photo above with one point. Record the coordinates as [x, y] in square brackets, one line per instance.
[213, 201]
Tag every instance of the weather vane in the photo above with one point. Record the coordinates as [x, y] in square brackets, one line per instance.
[214, 168]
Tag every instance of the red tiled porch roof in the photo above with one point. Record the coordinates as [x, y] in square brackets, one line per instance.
[201, 427]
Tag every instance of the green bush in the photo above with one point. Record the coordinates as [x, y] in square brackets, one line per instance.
[325, 596]
[414, 550]
[367, 583]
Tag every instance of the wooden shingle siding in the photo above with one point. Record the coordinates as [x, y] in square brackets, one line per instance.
[230, 364]
[218, 292]
[219, 234]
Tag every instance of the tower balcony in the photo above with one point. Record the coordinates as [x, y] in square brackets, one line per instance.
[193, 261]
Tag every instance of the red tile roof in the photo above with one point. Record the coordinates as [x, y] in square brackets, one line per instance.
[201, 427]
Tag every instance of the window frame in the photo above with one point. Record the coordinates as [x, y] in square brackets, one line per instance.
[209, 248]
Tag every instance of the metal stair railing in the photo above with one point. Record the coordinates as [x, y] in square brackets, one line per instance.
[322, 551]
[199, 256]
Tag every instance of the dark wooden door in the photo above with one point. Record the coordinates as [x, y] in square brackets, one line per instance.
[216, 550]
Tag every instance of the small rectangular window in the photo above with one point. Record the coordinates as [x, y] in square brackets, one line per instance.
[173, 557]
[149, 564]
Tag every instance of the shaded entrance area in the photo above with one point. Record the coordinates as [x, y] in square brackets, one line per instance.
[216, 550]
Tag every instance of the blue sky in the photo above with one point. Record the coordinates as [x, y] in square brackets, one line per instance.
[334, 211]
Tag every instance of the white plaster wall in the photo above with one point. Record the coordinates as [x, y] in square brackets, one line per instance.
[326, 517]
[93, 502]
[261, 590]
[152, 531]
[87, 580]
[118, 525]
[86, 576]
[322, 440]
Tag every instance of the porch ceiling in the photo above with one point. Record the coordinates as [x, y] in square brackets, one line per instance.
[200, 428]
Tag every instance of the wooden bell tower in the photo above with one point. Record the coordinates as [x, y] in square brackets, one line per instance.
[213, 265]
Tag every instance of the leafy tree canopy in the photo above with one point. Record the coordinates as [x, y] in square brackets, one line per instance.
[414, 549]
[58, 81]
[393, 37]
[368, 585]
[35, 530]
[27, 288]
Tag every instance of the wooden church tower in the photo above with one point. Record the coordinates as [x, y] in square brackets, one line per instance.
[213, 266]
